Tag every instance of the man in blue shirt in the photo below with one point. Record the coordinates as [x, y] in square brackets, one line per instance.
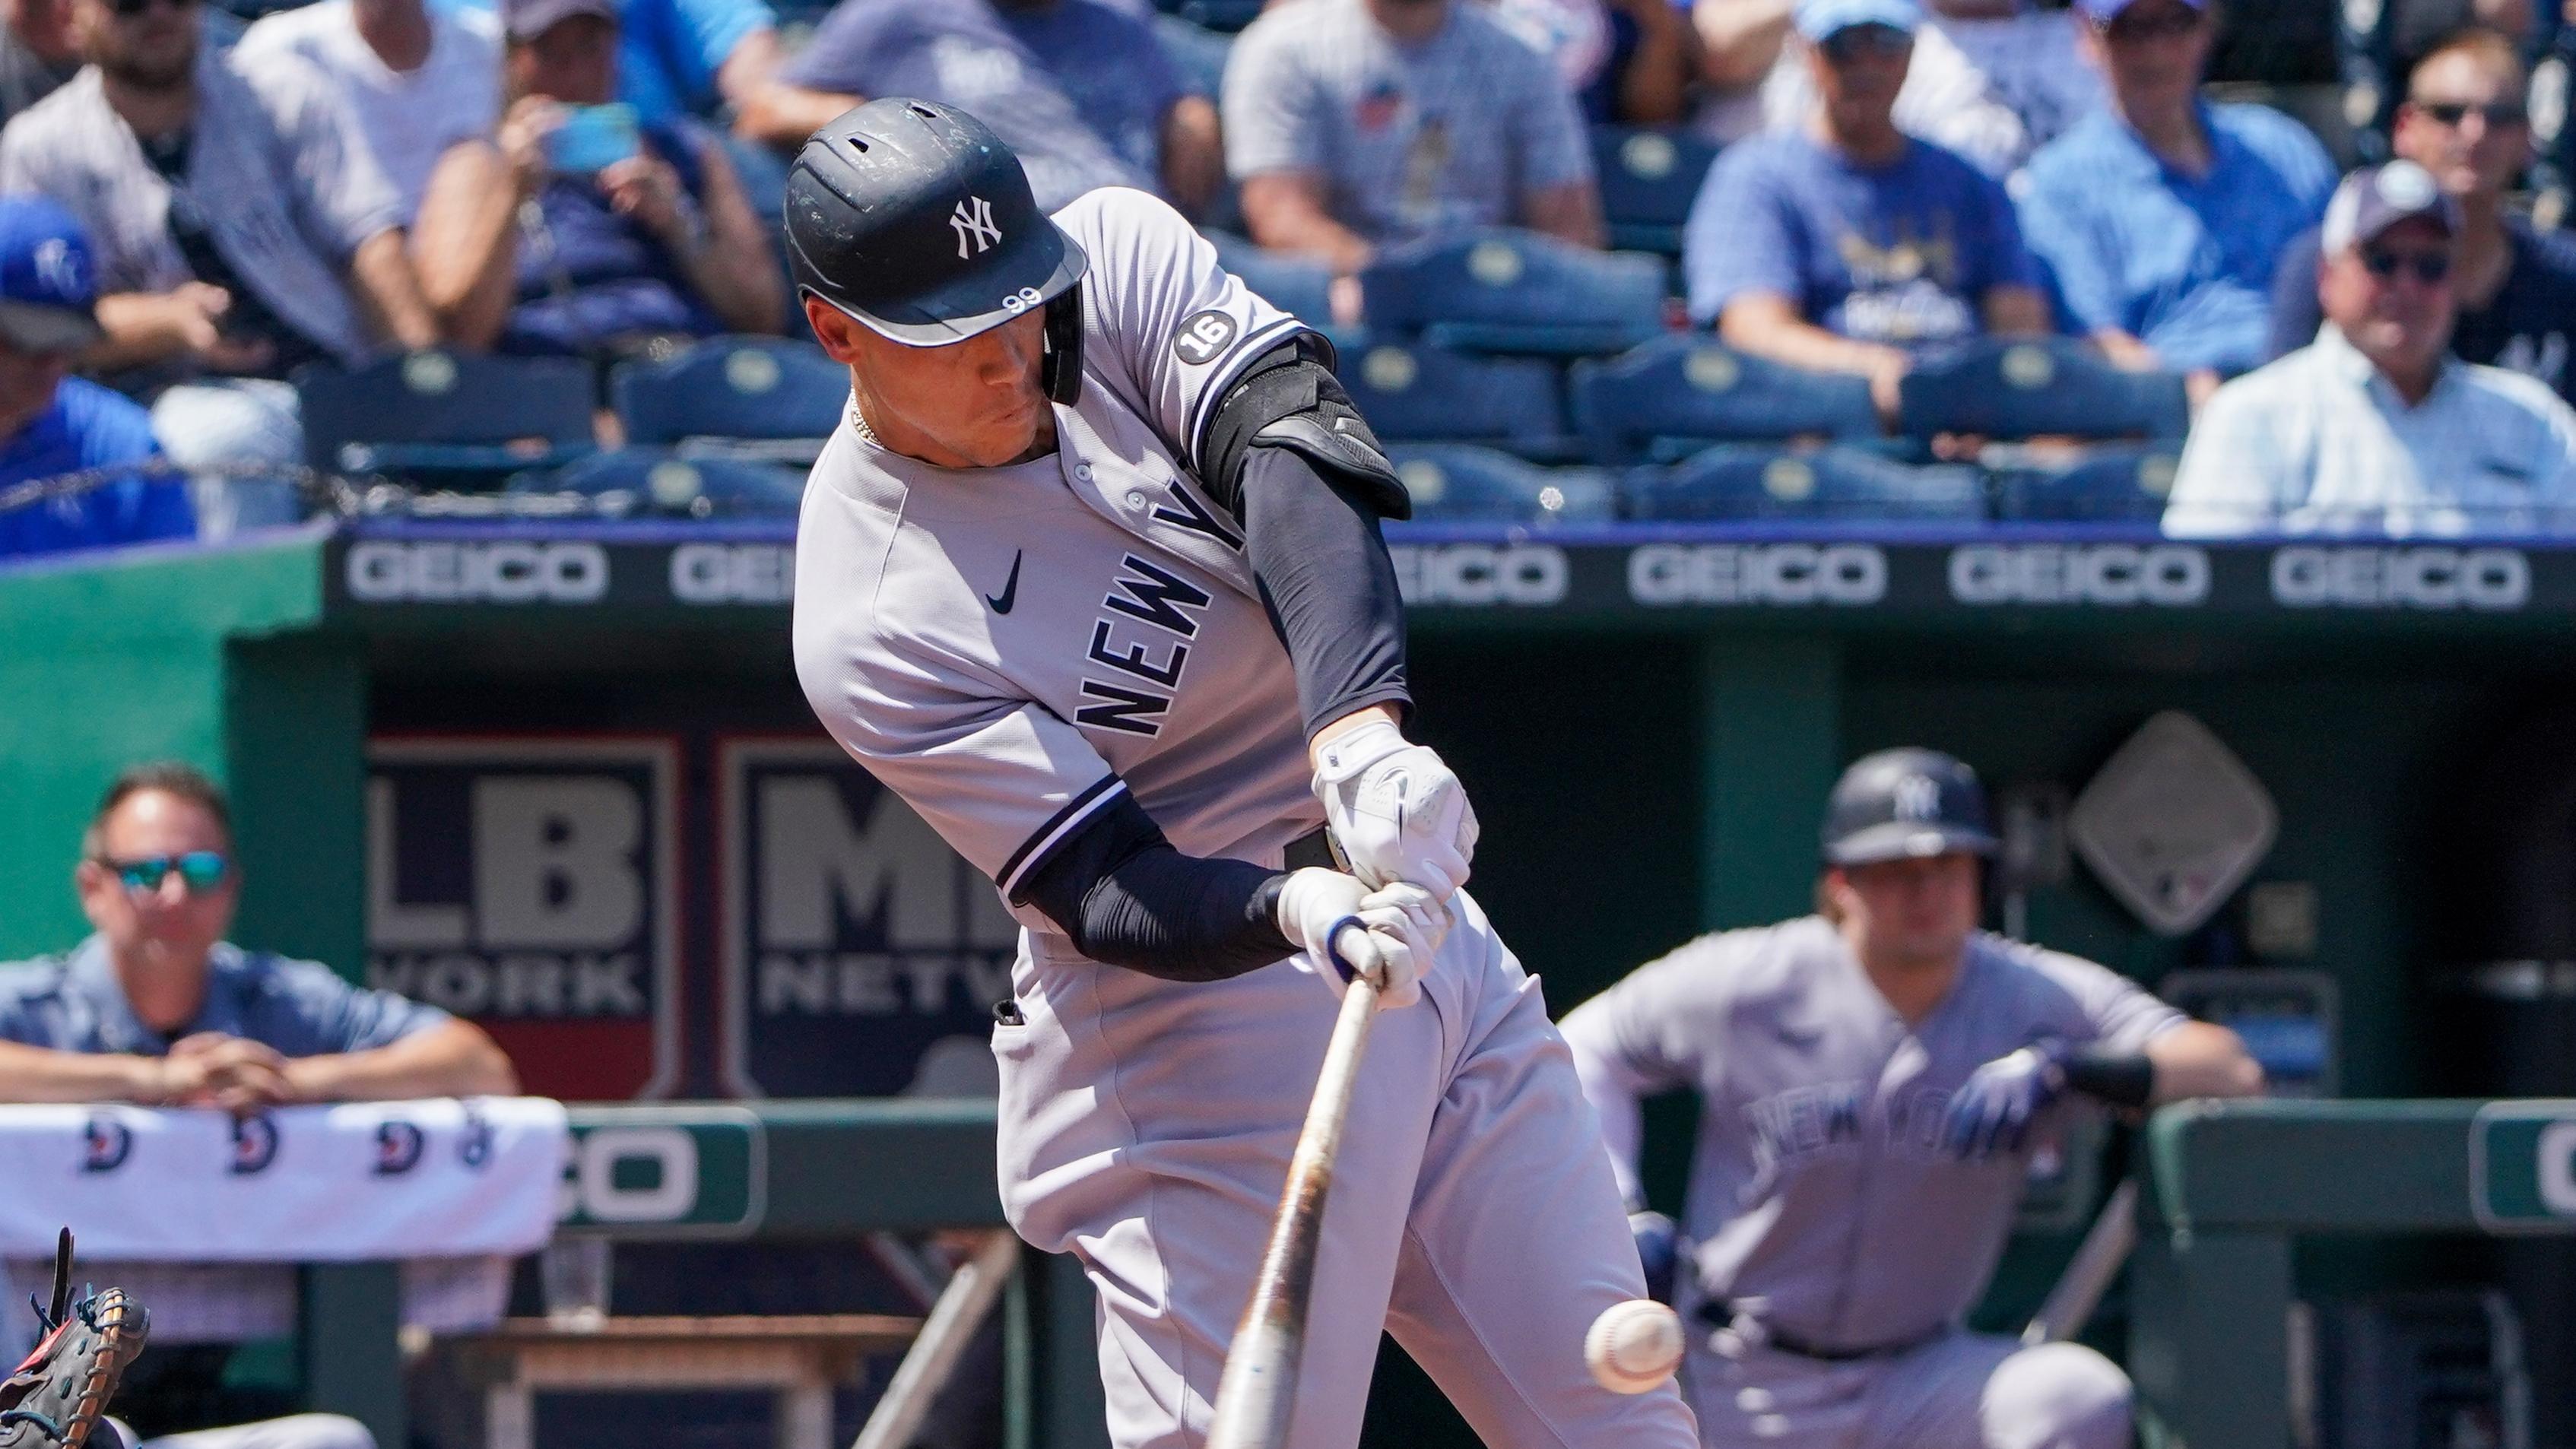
[951, 51]
[2160, 217]
[2465, 120]
[1114, 70]
[1847, 245]
[157, 1007]
[52, 424]
[686, 57]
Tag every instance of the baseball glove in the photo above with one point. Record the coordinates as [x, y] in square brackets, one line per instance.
[58, 1396]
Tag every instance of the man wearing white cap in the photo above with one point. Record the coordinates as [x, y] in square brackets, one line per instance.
[1848, 245]
[2374, 427]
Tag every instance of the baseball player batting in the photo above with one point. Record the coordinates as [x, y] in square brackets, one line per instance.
[1873, 1079]
[1091, 576]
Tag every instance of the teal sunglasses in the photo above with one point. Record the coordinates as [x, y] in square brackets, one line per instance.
[199, 870]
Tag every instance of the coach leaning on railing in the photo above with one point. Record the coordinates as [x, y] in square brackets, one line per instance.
[158, 1009]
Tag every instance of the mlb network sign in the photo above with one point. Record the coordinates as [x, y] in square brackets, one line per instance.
[527, 883]
[862, 957]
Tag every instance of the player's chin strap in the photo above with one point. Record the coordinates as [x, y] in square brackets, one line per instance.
[1061, 372]
[1288, 398]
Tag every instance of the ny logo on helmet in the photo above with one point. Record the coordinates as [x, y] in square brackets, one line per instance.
[1918, 797]
[973, 219]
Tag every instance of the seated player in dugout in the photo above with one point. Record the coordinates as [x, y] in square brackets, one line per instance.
[156, 1007]
[1091, 576]
[1874, 1079]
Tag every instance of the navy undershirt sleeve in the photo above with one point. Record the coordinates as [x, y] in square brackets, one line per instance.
[1127, 898]
[1325, 577]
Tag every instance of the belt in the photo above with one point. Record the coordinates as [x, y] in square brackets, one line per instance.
[1313, 848]
[1721, 1313]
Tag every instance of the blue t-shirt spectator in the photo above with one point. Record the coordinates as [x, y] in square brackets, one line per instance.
[1902, 254]
[74, 1003]
[1110, 66]
[2528, 326]
[957, 52]
[2182, 263]
[89, 426]
[670, 50]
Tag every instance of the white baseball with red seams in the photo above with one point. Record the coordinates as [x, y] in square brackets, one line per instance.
[1633, 1347]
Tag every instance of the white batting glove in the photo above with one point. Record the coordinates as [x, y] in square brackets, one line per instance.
[1343, 930]
[1396, 810]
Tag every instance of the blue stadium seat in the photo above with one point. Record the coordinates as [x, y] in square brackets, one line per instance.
[1507, 291]
[1292, 284]
[1225, 15]
[759, 397]
[1649, 177]
[446, 417]
[1460, 483]
[2105, 482]
[657, 481]
[1428, 394]
[1666, 399]
[1836, 483]
[2038, 387]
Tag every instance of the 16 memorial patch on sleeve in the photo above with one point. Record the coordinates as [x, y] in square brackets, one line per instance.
[1203, 337]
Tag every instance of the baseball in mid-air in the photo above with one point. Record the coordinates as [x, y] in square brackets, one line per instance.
[1633, 1346]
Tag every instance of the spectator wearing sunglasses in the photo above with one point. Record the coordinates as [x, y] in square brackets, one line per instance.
[2160, 217]
[2464, 120]
[52, 424]
[2373, 428]
[1848, 245]
[241, 226]
[157, 1007]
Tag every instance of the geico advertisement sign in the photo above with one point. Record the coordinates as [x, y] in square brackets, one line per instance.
[862, 956]
[528, 883]
[2430, 576]
[506, 571]
[1478, 575]
[1790, 574]
[2119, 575]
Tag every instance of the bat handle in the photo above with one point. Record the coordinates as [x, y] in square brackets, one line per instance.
[1259, 1384]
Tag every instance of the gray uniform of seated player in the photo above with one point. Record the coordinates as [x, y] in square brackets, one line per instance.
[1024, 651]
[1838, 1229]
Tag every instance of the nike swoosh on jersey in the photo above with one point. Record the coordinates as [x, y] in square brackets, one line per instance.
[1010, 588]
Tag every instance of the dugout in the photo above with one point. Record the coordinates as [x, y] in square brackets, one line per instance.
[560, 775]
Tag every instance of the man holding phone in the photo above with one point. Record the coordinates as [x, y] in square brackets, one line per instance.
[580, 228]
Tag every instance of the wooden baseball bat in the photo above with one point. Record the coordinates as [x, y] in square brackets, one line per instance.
[2088, 1275]
[1259, 1384]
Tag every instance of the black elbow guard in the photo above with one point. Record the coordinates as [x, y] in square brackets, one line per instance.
[1288, 398]
[2121, 1079]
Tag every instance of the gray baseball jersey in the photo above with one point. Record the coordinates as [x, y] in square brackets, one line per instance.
[1819, 1186]
[1008, 649]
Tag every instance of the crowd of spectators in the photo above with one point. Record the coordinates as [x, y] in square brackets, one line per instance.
[195, 211]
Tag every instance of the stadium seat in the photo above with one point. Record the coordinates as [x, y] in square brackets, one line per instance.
[1462, 483]
[446, 417]
[1649, 178]
[657, 481]
[1292, 284]
[2036, 387]
[1837, 483]
[1226, 15]
[2105, 482]
[755, 397]
[1675, 394]
[1507, 291]
[1427, 394]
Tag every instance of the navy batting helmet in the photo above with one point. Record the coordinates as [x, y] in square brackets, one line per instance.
[915, 219]
[1903, 804]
